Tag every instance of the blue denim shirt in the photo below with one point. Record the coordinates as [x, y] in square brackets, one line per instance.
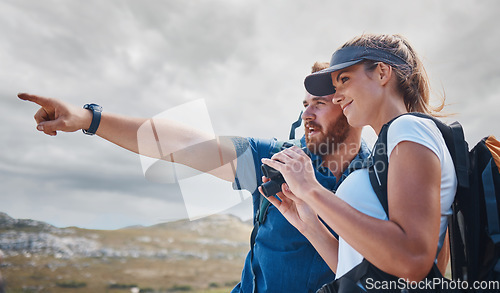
[283, 259]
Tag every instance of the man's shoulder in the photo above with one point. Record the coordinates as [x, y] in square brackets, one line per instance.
[262, 146]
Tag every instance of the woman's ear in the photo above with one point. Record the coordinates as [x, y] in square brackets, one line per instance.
[384, 73]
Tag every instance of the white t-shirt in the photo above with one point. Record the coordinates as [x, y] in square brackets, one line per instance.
[357, 191]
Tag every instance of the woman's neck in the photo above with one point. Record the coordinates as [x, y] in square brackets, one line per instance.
[390, 109]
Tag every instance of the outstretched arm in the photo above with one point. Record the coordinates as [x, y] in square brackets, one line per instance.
[178, 143]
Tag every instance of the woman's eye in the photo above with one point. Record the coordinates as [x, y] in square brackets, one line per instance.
[344, 79]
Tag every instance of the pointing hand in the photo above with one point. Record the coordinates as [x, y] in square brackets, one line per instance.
[55, 115]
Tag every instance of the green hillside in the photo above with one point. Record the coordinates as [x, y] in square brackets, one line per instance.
[206, 255]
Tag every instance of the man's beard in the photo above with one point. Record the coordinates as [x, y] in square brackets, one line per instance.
[328, 143]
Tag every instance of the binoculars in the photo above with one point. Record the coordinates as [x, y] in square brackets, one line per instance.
[274, 185]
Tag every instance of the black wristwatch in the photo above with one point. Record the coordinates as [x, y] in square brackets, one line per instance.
[96, 118]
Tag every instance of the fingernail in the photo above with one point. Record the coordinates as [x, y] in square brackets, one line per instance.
[39, 127]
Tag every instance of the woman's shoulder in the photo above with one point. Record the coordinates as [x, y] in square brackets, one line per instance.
[415, 125]
[416, 129]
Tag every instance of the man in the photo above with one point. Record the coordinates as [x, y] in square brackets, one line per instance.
[281, 259]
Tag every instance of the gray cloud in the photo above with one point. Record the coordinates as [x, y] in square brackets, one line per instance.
[247, 59]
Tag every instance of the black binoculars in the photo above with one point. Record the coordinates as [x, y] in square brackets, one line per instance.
[274, 185]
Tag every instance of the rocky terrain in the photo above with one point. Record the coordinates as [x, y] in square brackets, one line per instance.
[206, 253]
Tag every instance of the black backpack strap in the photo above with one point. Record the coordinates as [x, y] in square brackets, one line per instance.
[491, 179]
[378, 171]
[262, 212]
[491, 207]
[295, 125]
[260, 217]
[460, 155]
[491, 201]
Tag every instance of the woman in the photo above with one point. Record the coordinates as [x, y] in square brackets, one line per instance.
[376, 78]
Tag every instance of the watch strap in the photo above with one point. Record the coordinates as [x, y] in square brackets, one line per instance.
[96, 118]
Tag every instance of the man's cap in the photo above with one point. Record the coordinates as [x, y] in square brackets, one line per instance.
[320, 83]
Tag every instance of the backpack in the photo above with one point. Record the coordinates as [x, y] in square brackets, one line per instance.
[474, 227]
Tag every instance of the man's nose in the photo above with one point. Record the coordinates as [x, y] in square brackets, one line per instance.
[307, 114]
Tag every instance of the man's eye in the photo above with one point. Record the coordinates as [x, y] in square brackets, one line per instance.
[344, 79]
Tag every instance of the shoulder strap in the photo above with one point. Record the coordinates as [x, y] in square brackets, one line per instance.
[294, 126]
[490, 181]
[262, 211]
[454, 138]
[378, 171]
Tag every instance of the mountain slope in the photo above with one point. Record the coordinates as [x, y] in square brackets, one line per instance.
[208, 252]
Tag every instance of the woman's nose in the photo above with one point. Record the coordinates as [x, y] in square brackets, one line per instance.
[337, 99]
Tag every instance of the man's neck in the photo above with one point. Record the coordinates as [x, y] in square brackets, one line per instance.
[345, 152]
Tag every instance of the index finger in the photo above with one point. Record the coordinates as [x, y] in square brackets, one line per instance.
[34, 98]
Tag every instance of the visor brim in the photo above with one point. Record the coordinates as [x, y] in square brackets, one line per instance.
[320, 83]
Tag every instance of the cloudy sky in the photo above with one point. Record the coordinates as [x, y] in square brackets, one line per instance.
[246, 61]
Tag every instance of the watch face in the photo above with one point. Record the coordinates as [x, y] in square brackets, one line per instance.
[93, 107]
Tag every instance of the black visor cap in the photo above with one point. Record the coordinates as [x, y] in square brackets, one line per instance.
[320, 83]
